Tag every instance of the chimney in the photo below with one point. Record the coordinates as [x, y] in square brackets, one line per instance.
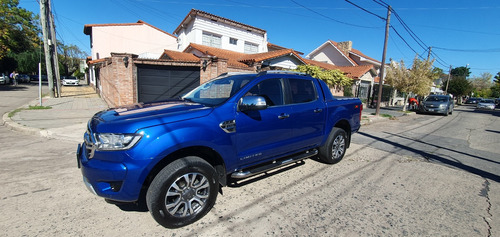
[345, 46]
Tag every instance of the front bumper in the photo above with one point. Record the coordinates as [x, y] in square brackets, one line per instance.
[70, 83]
[118, 181]
[486, 107]
[434, 110]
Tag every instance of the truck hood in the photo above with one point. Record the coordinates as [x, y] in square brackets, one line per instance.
[130, 119]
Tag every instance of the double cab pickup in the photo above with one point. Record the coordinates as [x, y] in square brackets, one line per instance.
[177, 155]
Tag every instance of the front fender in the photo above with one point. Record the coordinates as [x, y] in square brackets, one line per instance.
[159, 142]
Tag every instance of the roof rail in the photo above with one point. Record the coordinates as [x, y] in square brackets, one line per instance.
[226, 74]
[282, 72]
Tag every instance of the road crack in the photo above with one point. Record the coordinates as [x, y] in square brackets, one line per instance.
[485, 193]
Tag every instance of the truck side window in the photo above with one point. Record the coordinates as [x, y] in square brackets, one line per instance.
[302, 91]
[271, 90]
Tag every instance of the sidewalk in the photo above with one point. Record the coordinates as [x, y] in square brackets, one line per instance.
[385, 113]
[67, 119]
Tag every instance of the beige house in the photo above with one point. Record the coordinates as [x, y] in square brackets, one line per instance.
[363, 69]
[138, 38]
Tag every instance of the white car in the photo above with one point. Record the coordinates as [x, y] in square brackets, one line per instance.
[486, 104]
[66, 81]
[4, 80]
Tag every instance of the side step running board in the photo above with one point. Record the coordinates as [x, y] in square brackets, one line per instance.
[276, 164]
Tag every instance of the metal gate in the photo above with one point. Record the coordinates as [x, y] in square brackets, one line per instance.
[157, 83]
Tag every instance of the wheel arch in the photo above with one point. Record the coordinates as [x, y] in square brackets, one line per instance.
[344, 124]
[206, 153]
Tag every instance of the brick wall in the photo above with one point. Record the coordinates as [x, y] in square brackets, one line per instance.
[118, 80]
[217, 66]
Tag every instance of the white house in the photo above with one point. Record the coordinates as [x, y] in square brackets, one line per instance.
[203, 28]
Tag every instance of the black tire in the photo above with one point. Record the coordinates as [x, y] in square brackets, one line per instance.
[335, 147]
[182, 192]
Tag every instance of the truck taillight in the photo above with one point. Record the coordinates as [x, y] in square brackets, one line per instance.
[360, 110]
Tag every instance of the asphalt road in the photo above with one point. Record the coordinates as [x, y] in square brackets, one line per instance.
[385, 186]
[466, 140]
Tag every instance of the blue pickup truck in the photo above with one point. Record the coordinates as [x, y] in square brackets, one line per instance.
[177, 155]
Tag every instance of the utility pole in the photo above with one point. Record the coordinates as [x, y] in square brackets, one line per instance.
[429, 55]
[54, 50]
[382, 69]
[448, 81]
[49, 43]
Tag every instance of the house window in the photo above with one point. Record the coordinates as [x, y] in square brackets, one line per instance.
[211, 40]
[251, 48]
[233, 41]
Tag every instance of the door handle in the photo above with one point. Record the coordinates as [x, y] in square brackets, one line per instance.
[283, 116]
[318, 110]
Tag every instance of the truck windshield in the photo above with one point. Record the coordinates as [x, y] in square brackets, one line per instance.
[218, 90]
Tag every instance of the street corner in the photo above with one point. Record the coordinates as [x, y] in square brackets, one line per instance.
[11, 124]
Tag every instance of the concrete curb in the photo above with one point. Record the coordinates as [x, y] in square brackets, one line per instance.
[10, 124]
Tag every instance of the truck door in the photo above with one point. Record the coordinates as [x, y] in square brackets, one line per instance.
[308, 113]
[263, 134]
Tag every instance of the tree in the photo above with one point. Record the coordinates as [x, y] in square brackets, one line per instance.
[459, 85]
[460, 71]
[27, 62]
[418, 79]
[495, 89]
[69, 58]
[331, 77]
[482, 84]
[18, 28]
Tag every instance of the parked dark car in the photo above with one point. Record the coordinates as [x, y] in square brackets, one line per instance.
[35, 77]
[437, 104]
[473, 100]
[23, 78]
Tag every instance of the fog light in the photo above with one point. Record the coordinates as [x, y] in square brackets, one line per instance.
[115, 186]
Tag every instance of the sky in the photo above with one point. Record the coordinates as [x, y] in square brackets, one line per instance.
[460, 33]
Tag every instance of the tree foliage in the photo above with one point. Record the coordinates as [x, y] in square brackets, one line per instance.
[495, 89]
[418, 79]
[331, 77]
[18, 28]
[459, 85]
[460, 72]
[69, 59]
[482, 84]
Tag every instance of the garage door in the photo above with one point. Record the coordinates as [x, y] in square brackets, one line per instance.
[157, 83]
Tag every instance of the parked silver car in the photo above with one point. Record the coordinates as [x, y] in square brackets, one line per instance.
[4, 79]
[437, 104]
[486, 104]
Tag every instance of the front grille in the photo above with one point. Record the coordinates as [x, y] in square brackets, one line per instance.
[90, 145]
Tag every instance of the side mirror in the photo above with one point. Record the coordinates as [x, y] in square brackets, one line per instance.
[252, 102]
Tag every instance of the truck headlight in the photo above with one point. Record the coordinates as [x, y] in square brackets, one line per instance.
[116, 141]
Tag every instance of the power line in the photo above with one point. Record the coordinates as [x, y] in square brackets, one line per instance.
[495, 50]
[412, 34]
[369, 12]
[327, 17]
[394, 29]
